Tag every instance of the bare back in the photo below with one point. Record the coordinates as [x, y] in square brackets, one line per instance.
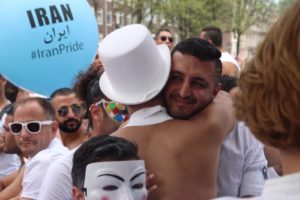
[184, 154]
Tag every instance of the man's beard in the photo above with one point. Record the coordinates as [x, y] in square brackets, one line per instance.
[67, 129]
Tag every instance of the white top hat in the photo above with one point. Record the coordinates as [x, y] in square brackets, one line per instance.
[136, 69]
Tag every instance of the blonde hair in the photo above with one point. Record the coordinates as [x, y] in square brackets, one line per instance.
[269, 96]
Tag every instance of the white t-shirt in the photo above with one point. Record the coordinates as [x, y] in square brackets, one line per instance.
[226, 57]
[148, 116]
[9, 163]
[37, 167]
[57, 184]
[282, 188]
[243, 166]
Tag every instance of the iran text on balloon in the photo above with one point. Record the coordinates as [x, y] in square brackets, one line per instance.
[53, 15]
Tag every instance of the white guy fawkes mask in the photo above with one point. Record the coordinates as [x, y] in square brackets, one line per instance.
[116, 180]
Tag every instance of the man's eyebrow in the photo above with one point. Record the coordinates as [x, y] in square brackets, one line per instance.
[200, 79]
[175, 72]
[137, 175]
[114, 176]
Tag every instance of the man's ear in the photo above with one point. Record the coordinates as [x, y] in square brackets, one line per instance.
[96, 111]
[217, 88]
[211, 42]
[54, 127]
[77, 193]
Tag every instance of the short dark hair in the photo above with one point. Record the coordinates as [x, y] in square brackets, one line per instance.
[99, 149]
[93, 95]
[11, 91]
[62, 92]
[161, 30]
[214, 34]
[8, 109]
[202, 50]
[228, 82]
[87, 86]
[44, 103]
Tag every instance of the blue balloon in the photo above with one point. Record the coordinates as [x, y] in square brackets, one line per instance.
[44, 44]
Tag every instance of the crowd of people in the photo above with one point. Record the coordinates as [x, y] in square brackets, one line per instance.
[151, 119]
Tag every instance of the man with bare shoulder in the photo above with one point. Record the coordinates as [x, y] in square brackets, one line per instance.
[183, 154]
[242, 166]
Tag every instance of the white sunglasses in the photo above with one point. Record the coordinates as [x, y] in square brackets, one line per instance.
[33, 127]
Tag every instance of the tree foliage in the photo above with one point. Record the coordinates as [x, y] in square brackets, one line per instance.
[187, 17]
[142, 11]
[247, 13]
[284, 4]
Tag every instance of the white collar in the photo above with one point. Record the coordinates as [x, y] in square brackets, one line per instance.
[148, 116]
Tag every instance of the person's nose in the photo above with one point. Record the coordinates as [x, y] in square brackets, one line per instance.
[127, 195]
[168, 42]
[71, 113]
[24, 132]
[185, 90]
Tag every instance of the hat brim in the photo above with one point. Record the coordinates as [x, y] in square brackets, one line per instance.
[138, 98]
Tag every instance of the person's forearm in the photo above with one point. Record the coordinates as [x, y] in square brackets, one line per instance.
[14, 188]
[7, 180]
[218, 116]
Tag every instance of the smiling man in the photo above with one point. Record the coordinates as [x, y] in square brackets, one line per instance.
[183, 154]
[192, 86]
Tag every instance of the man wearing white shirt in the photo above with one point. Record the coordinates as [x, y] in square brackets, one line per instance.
[35, 131]
[214, 35]
[243, 166]
[9, 162]
[57, 183]
[70, 111]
